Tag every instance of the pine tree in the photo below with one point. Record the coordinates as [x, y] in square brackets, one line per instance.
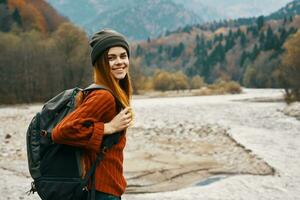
[260, 22]
[248, 30]
[292, 30]
[168, 33]
[197, 39]
[218, 38]
[243, 58]
[239, 32]
[270, 41]
[217, 55]
[284, 20]
[230, 34]
[160, 49]
[209, 44]
[17, 17]
[177, 51]
[283, 35]
[201, 57]
[200, 45]
[205, 72]
[243, 40]
[254, 52]
[5, 18]
[253, 30]
[229, 43]
[138, 51]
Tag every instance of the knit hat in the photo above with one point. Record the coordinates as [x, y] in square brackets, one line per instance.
[106, 39]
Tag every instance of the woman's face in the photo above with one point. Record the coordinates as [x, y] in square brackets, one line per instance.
[118, 62]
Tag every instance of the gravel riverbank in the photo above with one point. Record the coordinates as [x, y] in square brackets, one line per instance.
[210, 147]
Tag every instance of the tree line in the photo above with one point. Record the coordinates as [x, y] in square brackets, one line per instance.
[27, 15]
[34, 67]
[249, 55]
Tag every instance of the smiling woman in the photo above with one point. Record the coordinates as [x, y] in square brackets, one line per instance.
[118, 62]
[100, 113]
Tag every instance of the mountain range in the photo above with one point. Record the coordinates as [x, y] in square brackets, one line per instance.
[246, 50]
[136, 19]
[42, 51]
[140, 20]
[232, 9]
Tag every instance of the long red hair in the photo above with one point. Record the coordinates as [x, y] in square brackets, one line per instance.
[122, 90]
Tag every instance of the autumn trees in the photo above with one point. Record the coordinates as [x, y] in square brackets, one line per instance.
[27, 15]
[290, 68]
[249, 54]
[34, 67]
[41, 56]
[41, 53]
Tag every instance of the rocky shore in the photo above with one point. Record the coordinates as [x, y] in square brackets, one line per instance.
[211, 147]
[293, 110]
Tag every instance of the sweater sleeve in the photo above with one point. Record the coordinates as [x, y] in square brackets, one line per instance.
[84, 127]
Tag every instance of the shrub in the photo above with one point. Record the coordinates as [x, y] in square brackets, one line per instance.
[290, 69]
[223, 87]
[163, 81]
[180, 81]
[233, 87]
[196, 82]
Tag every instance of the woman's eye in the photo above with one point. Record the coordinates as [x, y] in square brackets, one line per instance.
[124, 56]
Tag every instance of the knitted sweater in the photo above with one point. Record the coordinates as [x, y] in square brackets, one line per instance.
[75, 129]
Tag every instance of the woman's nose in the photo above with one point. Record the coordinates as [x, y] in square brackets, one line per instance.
[118, 60]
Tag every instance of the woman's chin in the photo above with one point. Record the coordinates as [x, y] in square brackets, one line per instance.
[120, 77]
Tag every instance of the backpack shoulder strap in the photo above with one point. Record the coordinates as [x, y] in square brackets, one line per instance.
[95, 87]
[101, 87]
[109, 140]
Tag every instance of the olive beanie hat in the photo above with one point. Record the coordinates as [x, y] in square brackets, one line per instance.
[104, 40]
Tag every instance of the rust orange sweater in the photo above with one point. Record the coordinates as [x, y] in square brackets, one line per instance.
[99, 107]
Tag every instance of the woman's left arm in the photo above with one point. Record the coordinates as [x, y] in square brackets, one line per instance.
[83, 127]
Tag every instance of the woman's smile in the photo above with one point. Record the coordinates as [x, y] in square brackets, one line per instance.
[119, 68]
[118, 61]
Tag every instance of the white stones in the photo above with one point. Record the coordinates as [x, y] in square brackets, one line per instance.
[193, 129]
[293, 110]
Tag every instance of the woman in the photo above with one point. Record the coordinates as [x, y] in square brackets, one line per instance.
[97, 115]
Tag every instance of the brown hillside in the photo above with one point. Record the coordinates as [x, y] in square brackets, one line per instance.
[37, 14]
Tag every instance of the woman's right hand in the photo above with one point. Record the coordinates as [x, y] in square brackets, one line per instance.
[120, 122]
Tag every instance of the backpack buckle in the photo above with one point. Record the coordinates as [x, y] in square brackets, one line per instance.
[32, 189]
[44, 133]
[85, 188]
[104, 149]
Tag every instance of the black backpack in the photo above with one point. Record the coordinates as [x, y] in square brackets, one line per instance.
[56, 168]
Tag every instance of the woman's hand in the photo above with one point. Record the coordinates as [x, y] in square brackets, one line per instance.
[120, 122]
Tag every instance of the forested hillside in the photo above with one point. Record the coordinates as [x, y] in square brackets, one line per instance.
[291, 9]
[29, 14]
[249, 54]
[40, 52]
